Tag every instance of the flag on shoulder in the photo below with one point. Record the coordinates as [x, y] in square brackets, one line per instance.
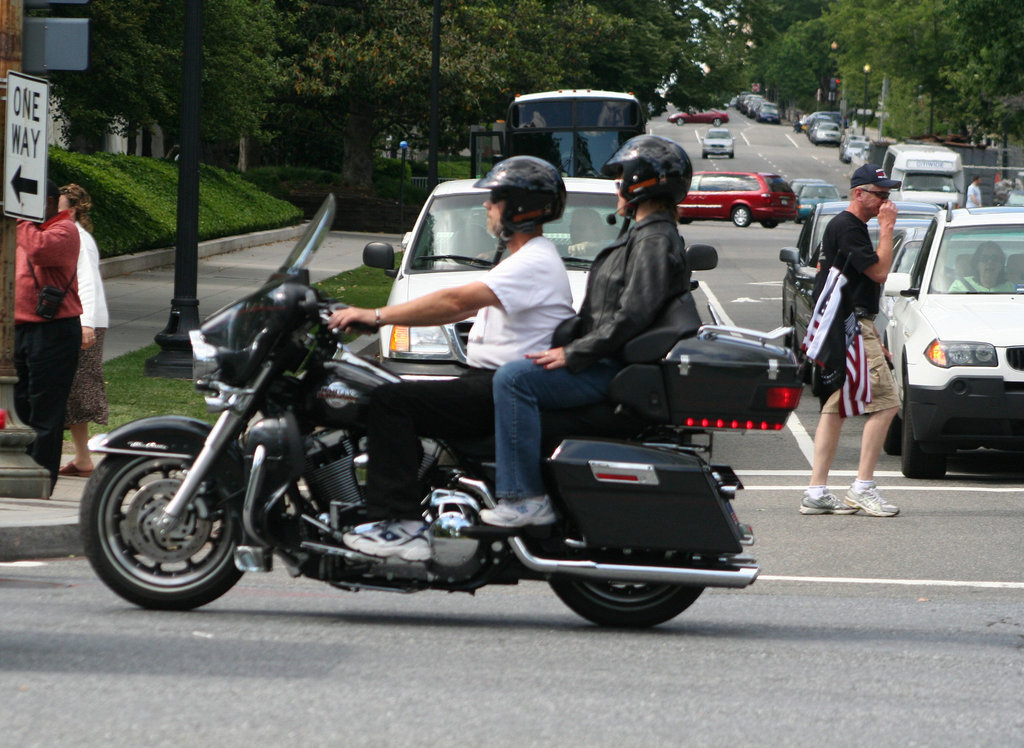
[835, 345]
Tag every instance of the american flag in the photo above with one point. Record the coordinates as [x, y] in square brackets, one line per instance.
[820, 346]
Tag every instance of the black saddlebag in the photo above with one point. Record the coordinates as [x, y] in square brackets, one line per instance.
[723, 378]
[630, 496]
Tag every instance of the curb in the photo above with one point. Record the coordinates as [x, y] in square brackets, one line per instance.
[40, 541]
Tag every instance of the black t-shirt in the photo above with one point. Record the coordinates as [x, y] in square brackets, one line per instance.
[847, 236]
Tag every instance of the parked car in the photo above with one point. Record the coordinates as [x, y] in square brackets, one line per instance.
[740, 197]
[825, 132]
[449, 246]
[718, 141]
[808, 120]
[853, 146]
[810, 195]
[1015, 199]
[768, 112]
[958, 349]
[802, 260]
[714, 117]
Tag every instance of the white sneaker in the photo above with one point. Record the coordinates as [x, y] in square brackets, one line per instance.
[403, 539]
[871, 502]
[519, 513]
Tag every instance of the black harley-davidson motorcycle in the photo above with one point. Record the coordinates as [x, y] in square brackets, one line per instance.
[177, 510]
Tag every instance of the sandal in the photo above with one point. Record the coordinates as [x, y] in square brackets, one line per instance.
[72, 471]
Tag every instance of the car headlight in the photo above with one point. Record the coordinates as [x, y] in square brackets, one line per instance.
[424, 343]
[945, 354]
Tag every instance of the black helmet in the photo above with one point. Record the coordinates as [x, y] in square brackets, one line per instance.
[533, 192]
[650, 166]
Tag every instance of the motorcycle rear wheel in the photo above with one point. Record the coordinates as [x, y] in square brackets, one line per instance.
[189, 567]
[625, 605]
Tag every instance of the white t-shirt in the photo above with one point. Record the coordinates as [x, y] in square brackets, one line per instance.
[90, 282]
[974, 196]
[533, 288]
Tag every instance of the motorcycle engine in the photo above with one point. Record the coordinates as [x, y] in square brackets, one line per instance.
[455, 556]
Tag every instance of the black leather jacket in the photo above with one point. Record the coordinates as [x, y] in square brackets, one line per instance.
[629, 283]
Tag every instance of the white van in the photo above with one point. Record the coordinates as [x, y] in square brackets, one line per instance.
[930, 173]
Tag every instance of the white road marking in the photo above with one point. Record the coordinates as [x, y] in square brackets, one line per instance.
[903, 582]
[22, 564]
[887, 488]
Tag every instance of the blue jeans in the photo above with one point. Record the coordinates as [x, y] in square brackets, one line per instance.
[521, 390]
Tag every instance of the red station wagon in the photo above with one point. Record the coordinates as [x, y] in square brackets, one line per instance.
[740, 197]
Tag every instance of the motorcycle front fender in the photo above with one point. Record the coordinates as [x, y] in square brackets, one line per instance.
[168, 436]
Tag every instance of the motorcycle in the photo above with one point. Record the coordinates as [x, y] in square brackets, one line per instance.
[178, 509]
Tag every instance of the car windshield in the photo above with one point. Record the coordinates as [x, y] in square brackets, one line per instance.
[820, 191]
[453, 235]
[922, 182]
[980, 260]
[718, 135]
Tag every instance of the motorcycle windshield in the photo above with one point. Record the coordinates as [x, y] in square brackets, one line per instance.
[313, 237]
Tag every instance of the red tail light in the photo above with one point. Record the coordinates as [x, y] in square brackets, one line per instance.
[783, 398]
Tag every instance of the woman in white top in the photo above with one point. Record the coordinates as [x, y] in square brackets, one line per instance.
[88, 399]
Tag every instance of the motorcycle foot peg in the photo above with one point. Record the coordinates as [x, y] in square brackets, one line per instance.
[253, 558]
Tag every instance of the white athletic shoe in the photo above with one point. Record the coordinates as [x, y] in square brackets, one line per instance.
[403, 539]
[519, 513]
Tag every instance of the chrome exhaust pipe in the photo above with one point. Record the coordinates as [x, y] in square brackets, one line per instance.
[742, 576]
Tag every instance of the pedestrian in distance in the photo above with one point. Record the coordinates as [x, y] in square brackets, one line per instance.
[974, 193]
[861, 272]
[518, 304]
[87, 401]
[47, 329]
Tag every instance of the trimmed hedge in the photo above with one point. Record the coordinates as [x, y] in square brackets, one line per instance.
[135, 200]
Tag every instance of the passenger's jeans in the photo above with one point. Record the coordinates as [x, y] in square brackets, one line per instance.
[521, 390]
[45, 358]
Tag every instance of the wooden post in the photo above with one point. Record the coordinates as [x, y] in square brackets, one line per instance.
[20, 476]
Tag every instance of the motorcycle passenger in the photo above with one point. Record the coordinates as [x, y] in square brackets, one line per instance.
[630, 282]
[518, 304]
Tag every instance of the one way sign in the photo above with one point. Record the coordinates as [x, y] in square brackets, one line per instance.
[25, 146]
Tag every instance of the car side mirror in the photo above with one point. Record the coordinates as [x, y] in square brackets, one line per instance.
[380, 255]
[897, 283]
[789, 255]
[701, 257]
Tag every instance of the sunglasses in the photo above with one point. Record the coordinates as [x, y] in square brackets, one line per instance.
[878, 193]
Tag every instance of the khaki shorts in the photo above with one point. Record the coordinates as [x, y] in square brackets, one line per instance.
[883, 386]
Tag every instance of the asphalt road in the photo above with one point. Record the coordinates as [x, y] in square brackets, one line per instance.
[860, 631]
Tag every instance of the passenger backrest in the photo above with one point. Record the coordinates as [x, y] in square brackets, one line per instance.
[1015, 268]
[679, 319]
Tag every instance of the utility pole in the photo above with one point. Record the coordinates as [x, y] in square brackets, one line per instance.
[20, 476]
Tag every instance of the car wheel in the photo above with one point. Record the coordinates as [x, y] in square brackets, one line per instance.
[741, 216]
[893, 444]
[770, 223]
[703, 154]
[915, 462]
[685, 220]
[716, 121]
[731, 154]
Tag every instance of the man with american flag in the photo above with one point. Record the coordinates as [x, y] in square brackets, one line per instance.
[853, 372]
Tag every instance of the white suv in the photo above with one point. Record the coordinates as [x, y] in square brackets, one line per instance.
[449, 246]
[956, 334]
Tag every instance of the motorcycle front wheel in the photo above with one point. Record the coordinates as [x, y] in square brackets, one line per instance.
[190, 566]
[625, 605]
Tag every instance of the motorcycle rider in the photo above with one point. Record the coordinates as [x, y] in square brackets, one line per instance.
[519, 303]
[630, 283]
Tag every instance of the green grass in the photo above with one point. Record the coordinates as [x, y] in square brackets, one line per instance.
[132, 395]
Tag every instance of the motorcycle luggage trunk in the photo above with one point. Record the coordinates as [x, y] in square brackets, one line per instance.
[714, 380]
[631, 496]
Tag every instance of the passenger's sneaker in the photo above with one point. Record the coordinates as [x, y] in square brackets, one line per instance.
[519, 513]
[827, 503]
[871, 502]
[402, 539]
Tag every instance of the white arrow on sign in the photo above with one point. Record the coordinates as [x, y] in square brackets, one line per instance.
[25, 146]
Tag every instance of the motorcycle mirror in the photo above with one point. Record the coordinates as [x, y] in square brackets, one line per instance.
[701, 257]
[379, 255]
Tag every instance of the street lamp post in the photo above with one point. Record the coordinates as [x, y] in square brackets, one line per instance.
[864, 122]
[404, 145]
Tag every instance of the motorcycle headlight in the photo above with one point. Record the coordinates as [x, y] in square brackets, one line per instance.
[946, 354]
[204, 358]
[424, 343]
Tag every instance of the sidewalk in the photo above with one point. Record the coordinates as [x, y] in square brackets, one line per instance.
[139, 291]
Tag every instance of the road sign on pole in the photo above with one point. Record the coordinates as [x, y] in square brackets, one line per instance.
[25, 146]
